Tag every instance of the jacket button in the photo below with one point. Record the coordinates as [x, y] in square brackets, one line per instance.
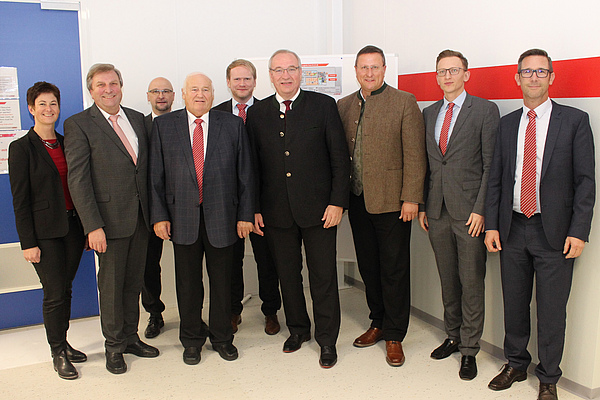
[287, 153]
[281, 134]
[282, 116]
[443, 162]
[289, 174]
[352, 140]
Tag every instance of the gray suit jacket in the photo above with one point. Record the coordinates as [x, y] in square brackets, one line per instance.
[459, 178]
[107, 188]
[228, 188]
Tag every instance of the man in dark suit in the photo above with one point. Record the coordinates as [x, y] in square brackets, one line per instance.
[541, 194]
[160, 96]
[202, 198]
[241, 80]
[460, 132]
[385, 137]
[303, 173]
[107, 154]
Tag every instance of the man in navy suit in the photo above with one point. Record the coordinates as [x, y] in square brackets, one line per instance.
[541, 194]
[202, 198]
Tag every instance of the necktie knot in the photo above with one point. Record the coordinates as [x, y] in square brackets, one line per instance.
[288, 104]
[113, 118]
[531, 114]
[450, 106]
[198, 121]
[241, 106]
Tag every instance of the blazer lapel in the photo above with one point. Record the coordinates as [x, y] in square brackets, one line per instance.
[513, 141]
[430, 133]
[463, 114]
[139, 128]
[41, 149]
[182, 131]
[107, 129]
[214, 131]
[551, 137]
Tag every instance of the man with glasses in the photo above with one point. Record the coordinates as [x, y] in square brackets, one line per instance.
[385, 137]
[303, 173]
[460, 133]
[160, 96]
[541, 194]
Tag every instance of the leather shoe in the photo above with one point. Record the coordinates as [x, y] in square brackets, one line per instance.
[115, 363]
[141, 349]
[468, 368]
[506, 378]
[328, 357]
[155, 323]
[75, 356]
[191, 355]
[445, 349]
[272, 325]
[236, 319]
[294, 342]
[63, 366]
[227, 351]
[369, 338]
[395, 354]
[547, 391]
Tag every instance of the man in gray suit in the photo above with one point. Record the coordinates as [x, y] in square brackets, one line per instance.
[202, 198]
[107, 153]
[460, 131]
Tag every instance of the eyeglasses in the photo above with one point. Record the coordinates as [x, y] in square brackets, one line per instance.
[528, 73]
[158, 91]
[280, 71]
[373, 68]
[453, 71]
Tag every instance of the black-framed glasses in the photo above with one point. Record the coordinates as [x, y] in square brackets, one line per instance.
[453, 71]
[540, 72]
[280, 71]
[159, 91]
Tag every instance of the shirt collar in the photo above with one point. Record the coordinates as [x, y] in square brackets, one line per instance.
[539, 110]
[249, 103]
[280, 99]
[192, 118]
[458, 102]
[374, 92]
[107, 115]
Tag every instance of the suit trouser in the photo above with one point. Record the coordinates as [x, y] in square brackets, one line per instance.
[320, 248]
[57, 268]
[152, 283]
[382, 245]
[268, 281]
[461, 264]
[120, 280]
[190, 290]
[524, 254]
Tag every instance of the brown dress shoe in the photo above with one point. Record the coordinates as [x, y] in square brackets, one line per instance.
[236, 319]
[369, 338]
[272, 325]
[506, 378]
[547, 391]
[395, 354]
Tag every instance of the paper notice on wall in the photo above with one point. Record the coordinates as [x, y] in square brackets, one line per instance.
[9, 86]
[5, 139]
[324, 75]
[10, 114]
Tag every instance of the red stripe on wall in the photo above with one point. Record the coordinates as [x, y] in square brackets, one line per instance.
[574, 78]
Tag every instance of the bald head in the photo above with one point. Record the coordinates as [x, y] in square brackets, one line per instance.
[160, 95]
[197, 93]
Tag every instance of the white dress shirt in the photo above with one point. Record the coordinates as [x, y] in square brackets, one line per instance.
[125, 127]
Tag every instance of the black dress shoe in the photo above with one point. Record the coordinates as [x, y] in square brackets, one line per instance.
[448, 347]
[155, 323]
[115, 363]
[328, 357]
[191, 355]
[227, 351]
[506, 378]
[141, 349]
[75, 356]
[468, 368]
[294, 342]
[63, 366]
[547, 391]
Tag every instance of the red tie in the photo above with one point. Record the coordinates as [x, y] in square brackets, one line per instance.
[288, 104]
[121, 135]
[242, 111]
[198, 153]
[446, 129]
[528, 196]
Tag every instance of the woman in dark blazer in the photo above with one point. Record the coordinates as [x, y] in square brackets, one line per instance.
[49, 230]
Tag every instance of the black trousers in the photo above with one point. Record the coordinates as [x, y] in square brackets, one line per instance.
[190, 290]
[152, 283]
[527, 253]
[268, 281]
[320, 247]
[58, 265]
[382, 244]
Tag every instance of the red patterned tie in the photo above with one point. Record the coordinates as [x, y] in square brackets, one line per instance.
[123, 137]
[446, 129]
[198, 153]
[528, 196]
[288, 104]
[242, 111]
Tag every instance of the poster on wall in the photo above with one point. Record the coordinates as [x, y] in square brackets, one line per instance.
[323, 75]
[10, 113]
[5, 139]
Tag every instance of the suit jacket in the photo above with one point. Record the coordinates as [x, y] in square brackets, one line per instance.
[459, 178]
[567, 184]
[301, 159]
[148, 125]
[37, 191]
[393, 144]
[107, 188]
[227, 106]
[228, 186]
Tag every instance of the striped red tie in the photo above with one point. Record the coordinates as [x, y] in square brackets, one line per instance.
[198, 153]
[242, 111]
[528, 186]
[446, 129]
